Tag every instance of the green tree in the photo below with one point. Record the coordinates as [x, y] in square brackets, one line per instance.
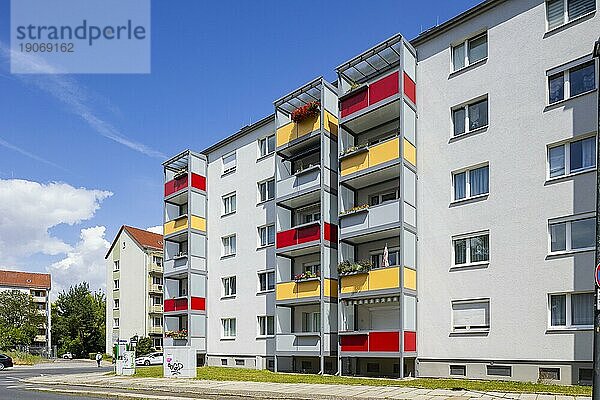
[19, 319]
[78, 321]
[144, 346]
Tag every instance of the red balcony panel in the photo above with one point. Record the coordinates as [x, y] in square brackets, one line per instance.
[384, 88]
[198, 303]
[410, 88]
[354, 342]
[354, 103]
[181, 304]
[286, 238]
[330, 232]
[199, 182]
[384, 341]
[410, 341]
[169, 305]
[309, 233]
[176, 185]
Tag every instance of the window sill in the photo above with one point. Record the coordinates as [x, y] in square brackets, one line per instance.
[473, 132]
[471, 332]
[228, 338]
[268, 155]
[260, 292]
[265, 246]
[228, 214]
[261, 337]
[467, 68]
[558, 254]
[479, 265]
[227, 256]
[561, 178]
[567, 329]
[472, 199]
[263, 202]
[559, 103]
[231, 296]
[566, 25]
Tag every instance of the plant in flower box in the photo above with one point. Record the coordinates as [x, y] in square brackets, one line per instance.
[305, 275]
[348, 267]
[352, 149]
[309, 110]
[354, 209]
[181, 334]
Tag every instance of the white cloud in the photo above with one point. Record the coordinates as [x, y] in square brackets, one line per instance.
[85, 262]
[29, 209]
[156, 229]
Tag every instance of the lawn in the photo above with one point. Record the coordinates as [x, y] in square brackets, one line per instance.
[243, 374]
[22, 358]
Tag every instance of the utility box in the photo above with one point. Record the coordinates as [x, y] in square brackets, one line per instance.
[179, 362]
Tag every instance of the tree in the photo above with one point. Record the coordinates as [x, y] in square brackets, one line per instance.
[143, 346]
[19, 319]
[78, 321]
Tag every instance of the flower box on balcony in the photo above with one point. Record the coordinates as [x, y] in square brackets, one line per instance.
[306, 276]
[354, 210]
[346, 268]
[309, 110]
[307, 170]
[182, 334]
[352, 150]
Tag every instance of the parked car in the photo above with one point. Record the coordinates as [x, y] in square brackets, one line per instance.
[150, 359]
[5, 361]
[67, 356]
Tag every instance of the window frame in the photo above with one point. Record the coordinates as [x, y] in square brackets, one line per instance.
[566, 20]
[568, 313]
[226, 283]
[116, 265]
[312, 319]
[228, 198]
[466, 171]
[468, 262]
[115, 322]
[266, 326]
[116, 304]
[568, 231]
[487, 329]
[224, 247]
[230, 170]
[226, 324]
[266, 274]
[465, 44]
[566, 145]
[565, 70]
[266, 183]
[465, 107]
[265, 140]
[115, 284]
[265, 228]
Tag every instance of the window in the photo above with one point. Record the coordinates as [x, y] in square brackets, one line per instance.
[572, 157]
[183, 248]
[572, 82]
[460, 370]
[239, 362]
[266, 325]
[229, 286]
[116, 322]
[266, 281]
[311, 321]
[266, 145]
[229, 163]
[157, 280]
[228, 328]
[471, 183]
[382, 197]
[116, 268]
[312, 268]
[229, 205]
[223, 361]
[586, 376]
[393, 258]
[549, 374]
[157, 321]
[499, 370]
[307, 161]
[266, 190]
[571, 310]
[471, 250]
[308, 214]
[476, 50]
[116, 305]
[157, 300]
[560, 12]
[471, 315]
[116, 284]
[228, 245]
[157, 260]
[571, 235]
[470, 117]
[266, 235]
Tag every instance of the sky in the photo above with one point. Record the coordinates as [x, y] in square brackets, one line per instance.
[81, 154]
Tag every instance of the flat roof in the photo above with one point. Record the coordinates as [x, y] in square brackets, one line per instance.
[241, 133]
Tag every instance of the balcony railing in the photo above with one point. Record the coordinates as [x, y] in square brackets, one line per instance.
[305, 289]
[298, 235]
[375, 279]
[181, 304]
[156, 308]
[298, 342]
[377, 341]
[370, 218]
[311, 178]
[155, 288]
[181, 224]
[156, 268]
[371, 156]
[39, 299]
[175, 185]
[155, 330]
[293, 130]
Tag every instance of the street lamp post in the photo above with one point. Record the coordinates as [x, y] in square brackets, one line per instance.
[596, 349]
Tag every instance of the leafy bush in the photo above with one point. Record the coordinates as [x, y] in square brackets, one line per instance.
[348, 267]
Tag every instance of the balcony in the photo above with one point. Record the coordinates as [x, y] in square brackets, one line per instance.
[39, 338]
[155, 288]
[306, 290]
[181, 182]
[39, 299]
[377, 342]
[307, 343]
[155, 268]
[292, 131]
[375, 279]
[300, 188]
[181, 304]
[116, 313]
[181, 224]
[156, 309]
[371, 223]
[155, 330]
[304, 239]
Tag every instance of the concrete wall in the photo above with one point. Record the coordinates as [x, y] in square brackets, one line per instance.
[520, 275]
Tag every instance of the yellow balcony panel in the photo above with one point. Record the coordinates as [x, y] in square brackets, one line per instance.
[199, 223]
[291, 131]
[175, 226]
[330, 123]
[410, 278]
[410, 153]
[376, 279]
[377, 154]
[305, 289]
[331, 288]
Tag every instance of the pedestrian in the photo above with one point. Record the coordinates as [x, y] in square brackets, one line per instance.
[98, 358]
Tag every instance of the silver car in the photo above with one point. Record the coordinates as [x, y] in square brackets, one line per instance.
[150, 359]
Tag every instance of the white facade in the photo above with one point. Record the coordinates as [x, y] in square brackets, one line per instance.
[133, 291]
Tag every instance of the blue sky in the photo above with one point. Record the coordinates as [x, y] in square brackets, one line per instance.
[216, 66]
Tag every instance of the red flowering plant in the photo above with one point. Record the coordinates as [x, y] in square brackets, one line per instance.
[308, 110]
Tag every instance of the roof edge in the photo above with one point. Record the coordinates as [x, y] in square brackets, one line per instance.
[240, 133]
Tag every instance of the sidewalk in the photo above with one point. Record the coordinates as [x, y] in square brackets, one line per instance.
[281, 390]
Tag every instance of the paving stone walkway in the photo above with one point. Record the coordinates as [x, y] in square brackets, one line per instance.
[267, 390]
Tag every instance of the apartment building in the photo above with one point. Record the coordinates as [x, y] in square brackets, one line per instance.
[38, 287]
[429, 213]
[134, 287]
